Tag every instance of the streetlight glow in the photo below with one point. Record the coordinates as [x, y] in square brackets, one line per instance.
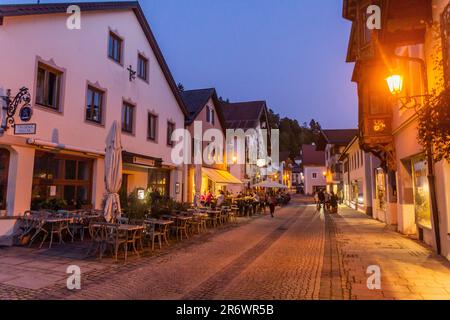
[395, 83]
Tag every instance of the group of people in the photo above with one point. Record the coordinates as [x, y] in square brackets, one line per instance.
[264, 199]
[328, 201]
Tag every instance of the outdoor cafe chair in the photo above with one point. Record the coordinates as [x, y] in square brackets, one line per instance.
[115, 239]
[123, 220]
[139, 236]
[195, 224]
[97, 232]
[151, 234]
[180, 228]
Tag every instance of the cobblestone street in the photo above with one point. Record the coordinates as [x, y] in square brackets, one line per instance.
[299, 254]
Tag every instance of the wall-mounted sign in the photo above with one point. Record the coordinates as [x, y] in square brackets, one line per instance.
[29, 128]
[25, 113]
[52, 191]
[141, 194]
[145, 162]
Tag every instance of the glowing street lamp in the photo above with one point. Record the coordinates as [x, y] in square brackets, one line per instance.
[395, 83]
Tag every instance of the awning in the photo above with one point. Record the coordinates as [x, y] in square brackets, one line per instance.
[221, 176]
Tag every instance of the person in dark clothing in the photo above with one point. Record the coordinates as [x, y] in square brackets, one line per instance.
[334, 202]
[321, 196]
[272, 204]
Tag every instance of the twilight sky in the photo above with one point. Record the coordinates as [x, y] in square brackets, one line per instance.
[290, 53]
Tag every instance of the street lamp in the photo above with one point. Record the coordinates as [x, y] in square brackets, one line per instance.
[395, 83]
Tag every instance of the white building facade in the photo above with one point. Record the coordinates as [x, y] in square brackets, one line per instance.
[80, 83]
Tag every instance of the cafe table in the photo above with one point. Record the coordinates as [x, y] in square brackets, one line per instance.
[162, 226]
[131, 232]
[42, 224]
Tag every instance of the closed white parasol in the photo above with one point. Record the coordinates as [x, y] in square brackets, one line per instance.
[113, 173]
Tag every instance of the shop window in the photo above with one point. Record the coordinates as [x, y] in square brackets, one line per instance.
[61, 177]
[421, 192]
[380, 189]
[159, 181]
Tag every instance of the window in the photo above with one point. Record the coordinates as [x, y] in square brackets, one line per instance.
[365, 32]
[421, 192]
[314, 175]
[48, 88]
[210, 115]
[142, 70]
[152, 125]
[115, 47]
[159, 181]
[170, 130]
[61, 177]
[94, 105]
[127, 117]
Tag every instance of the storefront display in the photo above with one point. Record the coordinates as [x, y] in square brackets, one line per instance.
[62, 177]
[421, 192]
[380, 189]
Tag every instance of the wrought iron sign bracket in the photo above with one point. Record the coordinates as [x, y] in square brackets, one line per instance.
[412, 102]
[132, 73]
[22, 97]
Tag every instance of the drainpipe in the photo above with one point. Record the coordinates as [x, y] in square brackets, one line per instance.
[434, 204]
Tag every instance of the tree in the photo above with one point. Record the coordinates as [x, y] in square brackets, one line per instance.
[180, 86]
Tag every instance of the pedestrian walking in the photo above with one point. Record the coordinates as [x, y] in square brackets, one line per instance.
[272, 204]
[321, 196]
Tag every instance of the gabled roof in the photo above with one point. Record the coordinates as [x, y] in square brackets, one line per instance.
[48, 8]
[196, 100]
[311, 156]
[339, 136]
[243, 115]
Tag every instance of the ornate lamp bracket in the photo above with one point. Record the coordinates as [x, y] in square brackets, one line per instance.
[412, 102]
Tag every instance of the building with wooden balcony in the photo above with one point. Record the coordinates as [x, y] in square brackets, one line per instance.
[397, 67]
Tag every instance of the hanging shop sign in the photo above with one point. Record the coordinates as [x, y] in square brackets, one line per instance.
[25, 113]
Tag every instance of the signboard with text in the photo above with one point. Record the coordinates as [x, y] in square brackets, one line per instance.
[29, 128]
